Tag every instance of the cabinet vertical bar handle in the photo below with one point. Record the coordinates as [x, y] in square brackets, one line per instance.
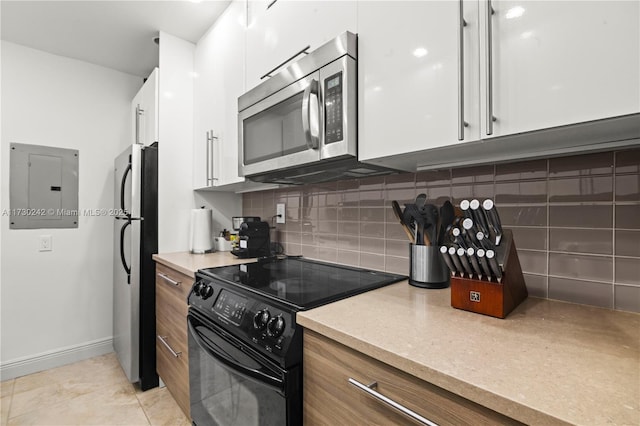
[164, 342]
[490, 117]
[461, 123]
[215, 165]
[168, 280]
[208, 159]
[139, 112]
[390, 402]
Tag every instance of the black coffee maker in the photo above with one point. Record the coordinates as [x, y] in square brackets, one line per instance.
[254, 240]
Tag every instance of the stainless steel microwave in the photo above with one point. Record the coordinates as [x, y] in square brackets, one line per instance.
[300, 126]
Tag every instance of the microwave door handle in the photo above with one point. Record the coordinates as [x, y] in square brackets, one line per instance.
[312, 141]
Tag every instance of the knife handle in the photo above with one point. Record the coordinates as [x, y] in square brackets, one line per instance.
[482, 260]
[493, 219]
[447, 259]
[479, 218]
[456, 260]
[462, 255]
[493, 264]
[474, 261]
[465, 207]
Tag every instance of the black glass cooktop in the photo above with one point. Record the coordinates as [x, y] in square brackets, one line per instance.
[302, 283]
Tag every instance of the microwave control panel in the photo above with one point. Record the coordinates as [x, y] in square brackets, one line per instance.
[333, 108]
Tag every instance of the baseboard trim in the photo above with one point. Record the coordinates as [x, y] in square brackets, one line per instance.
[54, 358]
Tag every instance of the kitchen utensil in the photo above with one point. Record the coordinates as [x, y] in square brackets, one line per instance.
[484, 242]
[493, 219]
[478, 216]
[468, 232]
[444, 251]
[454, 258]
[465, 208]
[421, 199]
[447, 216]
[398, 214]
[413, 215]
[482, 260]
[471, 252]
[431, 215]
[493, 264]
[462, 255]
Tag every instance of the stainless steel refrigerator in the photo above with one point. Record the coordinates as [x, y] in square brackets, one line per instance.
[135, 241]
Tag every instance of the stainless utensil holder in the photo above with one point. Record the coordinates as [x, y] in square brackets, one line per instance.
[427, 268]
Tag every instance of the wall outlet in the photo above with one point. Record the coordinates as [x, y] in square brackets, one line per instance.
[45, 243]
[280, 213]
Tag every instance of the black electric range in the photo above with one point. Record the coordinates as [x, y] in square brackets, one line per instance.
[242, 320]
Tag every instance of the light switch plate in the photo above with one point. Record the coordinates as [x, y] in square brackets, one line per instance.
[45, 243]
[280, 213]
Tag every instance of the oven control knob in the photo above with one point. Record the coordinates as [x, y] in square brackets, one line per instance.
[197, 289]
[276, 326]
[206, 292]
[261, 318]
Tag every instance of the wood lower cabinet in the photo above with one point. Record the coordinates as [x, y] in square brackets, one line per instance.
[330, 398]
[172, 288]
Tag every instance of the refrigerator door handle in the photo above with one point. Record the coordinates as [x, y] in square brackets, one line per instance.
[123, 189]
[126, 267]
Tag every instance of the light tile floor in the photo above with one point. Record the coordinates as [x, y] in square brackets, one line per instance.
[90, 392]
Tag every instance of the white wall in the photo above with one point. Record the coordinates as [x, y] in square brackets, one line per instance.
[58, 305]
[175, 151]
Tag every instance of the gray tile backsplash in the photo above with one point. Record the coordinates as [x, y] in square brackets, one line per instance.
[575, 220]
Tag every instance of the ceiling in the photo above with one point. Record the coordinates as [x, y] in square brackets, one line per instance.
[112, 33]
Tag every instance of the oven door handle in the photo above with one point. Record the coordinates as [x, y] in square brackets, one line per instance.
[266, 379]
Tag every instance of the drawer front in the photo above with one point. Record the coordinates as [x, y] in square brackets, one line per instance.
[172, 355]
[174, 371]
[179, 284]
[329, 398]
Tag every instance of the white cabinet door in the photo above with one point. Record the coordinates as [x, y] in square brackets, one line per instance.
[219, 66]
[280, 33]
[558, 62]
[150, 105]
[137, 128]
[411, 93]
[144, 112]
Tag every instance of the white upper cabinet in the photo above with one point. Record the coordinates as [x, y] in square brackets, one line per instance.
[557, 62]
[144, 112]
[523, 69]
[219, 69]
[279, 32]
[418, 75]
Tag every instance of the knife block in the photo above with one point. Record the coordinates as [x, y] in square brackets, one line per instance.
[496, 299]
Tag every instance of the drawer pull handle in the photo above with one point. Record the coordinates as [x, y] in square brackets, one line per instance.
[164, 342]
[380, 397]
[168, 280]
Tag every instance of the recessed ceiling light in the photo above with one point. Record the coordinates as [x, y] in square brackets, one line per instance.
[514, 12]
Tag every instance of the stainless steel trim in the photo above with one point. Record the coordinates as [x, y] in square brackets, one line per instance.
[345, 44]
[312, 89]
[490, 117]
[347, 146]
[164, 342]
[393, 404]
[461, 123]
[169, 280]
[285, 62]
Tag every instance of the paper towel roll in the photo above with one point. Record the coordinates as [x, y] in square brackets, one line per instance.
[201, 231]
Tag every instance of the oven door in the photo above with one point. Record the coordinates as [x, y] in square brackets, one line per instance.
[231, 384]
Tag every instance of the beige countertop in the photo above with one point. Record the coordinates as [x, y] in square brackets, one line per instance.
[188, 263]
[548, 362]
